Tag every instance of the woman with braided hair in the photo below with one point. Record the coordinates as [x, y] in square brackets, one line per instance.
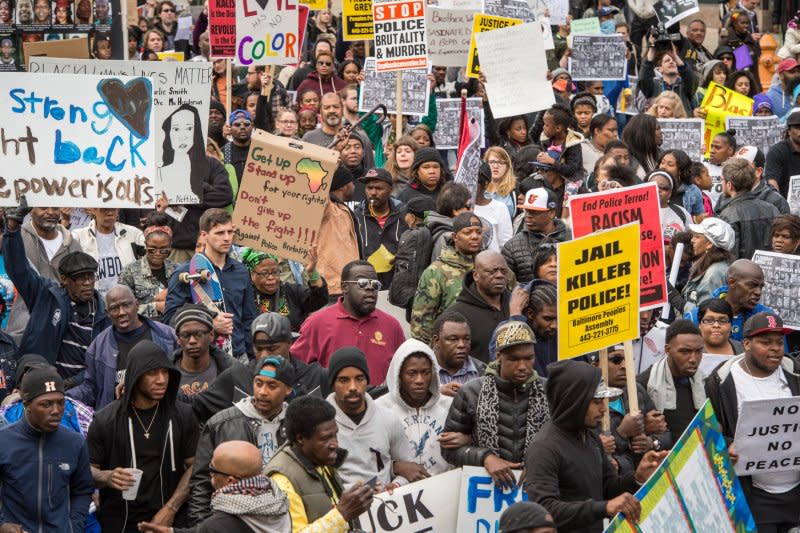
[291, 300]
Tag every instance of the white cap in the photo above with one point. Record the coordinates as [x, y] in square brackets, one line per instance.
[716, 230]
[538, 199]
[747, 152]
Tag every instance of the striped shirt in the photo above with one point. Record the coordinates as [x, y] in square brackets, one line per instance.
[466, 373]
[72, 355]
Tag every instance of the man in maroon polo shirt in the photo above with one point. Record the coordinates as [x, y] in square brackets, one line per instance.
[353, 320]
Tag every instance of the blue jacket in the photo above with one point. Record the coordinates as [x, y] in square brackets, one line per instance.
[46, 478]
[97, 388]
[737, 325]
[238, 296]
[49, 304]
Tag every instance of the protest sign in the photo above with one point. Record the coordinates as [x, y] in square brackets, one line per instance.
[315, 5]
[426, 505]
[448, 121]
[77, 141]
[598, 280]
[357, 15]
[281, 199]
[449, 35]
[181, 98]
[558, 9]
[400, 41]
[521, 46]
[515, 9]
[720, 103]
[267, 32]
[794, 195]
[171, 56]
[547, 33]
[781, 290]
[71, 48]
[598, 57]
[585, 26]
[694, 489]
[484, 23]
[379, 88]
[761, 132]
[222, 28]
[683, 134]
[671, 11]
[470, 162]
[715, 171]
[481, 502]
[767, 436]
[616, 207]
[467, 5]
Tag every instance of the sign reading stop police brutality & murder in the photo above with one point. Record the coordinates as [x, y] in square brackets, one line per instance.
[77, 141]
[611, 209]
[267, 32]
[768, 436]
[400, 41]
[598, 287]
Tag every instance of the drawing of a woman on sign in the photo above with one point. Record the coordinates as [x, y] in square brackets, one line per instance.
[183, 157]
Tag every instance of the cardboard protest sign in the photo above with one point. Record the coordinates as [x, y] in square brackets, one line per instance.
[598, 281]
[761, 132]
[683, 134]
[767, 436]
[281, 199]
[449, 36]
[222, 28]
[781, 290]
[515, 9]
[617, 207]
[400, 41]
[357, 20]
[448, 121]
[720, 103]
[794, 195]
[379, 88]
[694, 489]
[521, 46]
[483, 23]
[426, 505]
[481, 503]
[71, 48]
[77, 141]
[267, 32]
[598, 57]
[181, 98]
[672, 11]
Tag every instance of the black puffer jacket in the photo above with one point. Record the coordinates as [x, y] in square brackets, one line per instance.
[751, 220]
[518, 251]
[372, 235]
[511, 426]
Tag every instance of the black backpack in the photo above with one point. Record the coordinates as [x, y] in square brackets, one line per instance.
[412, 258]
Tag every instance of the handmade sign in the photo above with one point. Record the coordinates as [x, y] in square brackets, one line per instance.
[470, 160]
[72, 48]
[781, 290]
[683, 134]
[720, 103]
[77, 141]
[672, 11]
[767, 434]
[481, 502]
[794, 195]
[598, 284]
[598, 57]
[222, 28]
[400, 41]
[180, 109]
[515, 9]
[357, 20]
[761, 132]
[585, 26]
[483, 23]
[448, 117]
[449, 36]
[281, 199]
[379, 88]
[267, 32]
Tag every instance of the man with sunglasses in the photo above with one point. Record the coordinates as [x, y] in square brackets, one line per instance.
[323, 79]
[65, 317]
[235, 152]
[107, 355]
[353, 320]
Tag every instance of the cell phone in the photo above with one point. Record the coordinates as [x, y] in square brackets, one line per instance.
[372, 482]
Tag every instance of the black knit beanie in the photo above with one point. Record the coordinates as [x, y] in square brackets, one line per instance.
[344, 357]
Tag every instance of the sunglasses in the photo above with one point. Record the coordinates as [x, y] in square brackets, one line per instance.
[365, 283]
[616, 360]
[324, 63]
[214, 472]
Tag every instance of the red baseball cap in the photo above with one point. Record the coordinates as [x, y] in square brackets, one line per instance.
[787, 64]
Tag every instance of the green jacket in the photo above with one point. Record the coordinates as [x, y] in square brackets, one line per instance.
[438, 288]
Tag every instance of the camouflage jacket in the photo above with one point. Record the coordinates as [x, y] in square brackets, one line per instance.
[144, 284]
[438, 288]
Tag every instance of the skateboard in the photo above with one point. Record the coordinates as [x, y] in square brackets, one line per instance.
[207, 291]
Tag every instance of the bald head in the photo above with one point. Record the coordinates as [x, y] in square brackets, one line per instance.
[491, 274]
[745, 284]
[119, 292]
[238, 458]
[744, 268]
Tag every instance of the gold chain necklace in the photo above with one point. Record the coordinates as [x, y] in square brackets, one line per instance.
[146, 429]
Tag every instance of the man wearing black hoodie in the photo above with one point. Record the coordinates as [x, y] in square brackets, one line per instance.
[148, 430]
[567, 471]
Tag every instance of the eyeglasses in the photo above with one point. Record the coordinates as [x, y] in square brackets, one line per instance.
[214, 472]
[494, 163]
[724, 321]
[84, 277]
[159, 251]
[267, 274]
[365, 283]
[324, 63]
[113, 309]
[197, 334]
[287, 122]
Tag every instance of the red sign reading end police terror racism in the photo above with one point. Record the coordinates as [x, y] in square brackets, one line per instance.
[400, 41]
[610, 209]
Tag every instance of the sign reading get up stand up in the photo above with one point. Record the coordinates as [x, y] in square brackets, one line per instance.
[400, 41]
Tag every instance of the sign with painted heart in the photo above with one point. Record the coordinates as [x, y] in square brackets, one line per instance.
[77, 141]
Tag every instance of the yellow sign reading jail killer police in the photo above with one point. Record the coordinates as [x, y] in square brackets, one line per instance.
[598, 291]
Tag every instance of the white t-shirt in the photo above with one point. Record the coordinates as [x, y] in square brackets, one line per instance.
[752, 388]
[51, 246]
[109, 264]
[496, 214]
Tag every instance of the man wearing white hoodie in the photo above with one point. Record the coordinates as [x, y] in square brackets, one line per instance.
[414, 399]
[374, 438]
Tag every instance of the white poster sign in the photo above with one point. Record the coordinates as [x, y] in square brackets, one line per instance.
[400, 41]
[768, 436]
[449, 33]
[794, 195]
[481, 503]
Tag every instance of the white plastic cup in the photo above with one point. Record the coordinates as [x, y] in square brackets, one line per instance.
[130, 494]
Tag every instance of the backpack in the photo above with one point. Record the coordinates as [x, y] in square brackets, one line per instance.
[412, 258]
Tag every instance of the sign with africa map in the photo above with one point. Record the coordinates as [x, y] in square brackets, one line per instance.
[285, 187]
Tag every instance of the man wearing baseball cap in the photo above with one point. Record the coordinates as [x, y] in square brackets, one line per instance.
[526, 517]
[760, 373]
[567, 471]
[780, 94]
[380, 223]
[36, 444]
[783, 158]
[540, 223]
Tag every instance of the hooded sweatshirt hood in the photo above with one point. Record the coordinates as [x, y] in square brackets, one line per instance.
[570, 389]
[142, 358]
[412, 346]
